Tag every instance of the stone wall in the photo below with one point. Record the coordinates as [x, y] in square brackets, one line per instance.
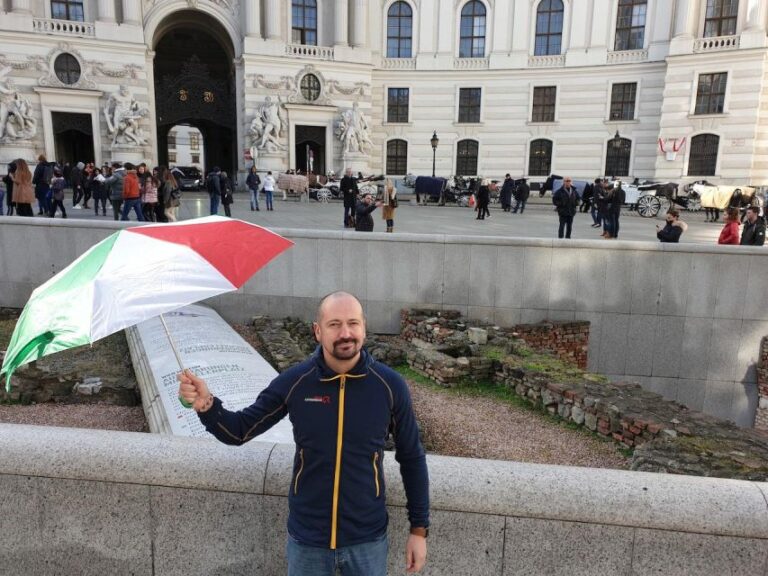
[761, 415]
[569, 341]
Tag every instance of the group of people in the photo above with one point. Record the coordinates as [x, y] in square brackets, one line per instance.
[153, 195]
[358, 208]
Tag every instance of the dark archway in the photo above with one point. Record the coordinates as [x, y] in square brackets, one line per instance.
[195, 85]
[310, 149]
[73, 137]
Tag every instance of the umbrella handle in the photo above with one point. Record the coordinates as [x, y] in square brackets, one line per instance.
[178, 357]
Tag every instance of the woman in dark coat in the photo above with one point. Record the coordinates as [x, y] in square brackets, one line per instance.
[506, 193]
[483, 199]
[8, 180]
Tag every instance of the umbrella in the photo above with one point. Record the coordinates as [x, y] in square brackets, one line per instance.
[136, 274]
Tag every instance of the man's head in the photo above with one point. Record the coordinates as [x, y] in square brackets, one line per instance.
[339, 326]
[507, 177]
[367, 198]
[753, 212]
[348, 172]
[116, 165]
[673, 215]
[128, 166]
[567, 181]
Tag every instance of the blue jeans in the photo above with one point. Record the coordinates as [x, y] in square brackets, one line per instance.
[268, 197]
[2, 195]
[596, 219]
[254, 199]
[134, 204]
[215, 198]
[519, 204]
[369, 559]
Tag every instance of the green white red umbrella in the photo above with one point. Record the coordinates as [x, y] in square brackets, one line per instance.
[136, 274]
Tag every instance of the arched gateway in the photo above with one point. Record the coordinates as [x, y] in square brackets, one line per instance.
[195, 85]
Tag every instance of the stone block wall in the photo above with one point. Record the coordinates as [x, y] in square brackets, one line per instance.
[761, 414]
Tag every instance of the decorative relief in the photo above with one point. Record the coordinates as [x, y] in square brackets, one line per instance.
[285, 83]
[49, 77]
[298, 98]
[353, 131]
[266, 128]
[359, 88]
[127, 71]
[16, 120]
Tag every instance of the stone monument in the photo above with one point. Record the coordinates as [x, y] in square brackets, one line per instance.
[353, 132]
[266, 136]
[123, 115]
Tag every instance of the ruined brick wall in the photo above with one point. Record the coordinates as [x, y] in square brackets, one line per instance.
[569, 341]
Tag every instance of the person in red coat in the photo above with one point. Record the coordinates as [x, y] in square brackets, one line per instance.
[730, 232]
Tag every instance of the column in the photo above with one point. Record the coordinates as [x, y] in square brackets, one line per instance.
[579, 25]
[252, 17]
[360, 24]
[685, 18]
[273, 20]
[601, 14]
[341, 23]
[501, 22]
[106, 10]
[521, 28]
[131, 11]
[21, 6]
[756, 14]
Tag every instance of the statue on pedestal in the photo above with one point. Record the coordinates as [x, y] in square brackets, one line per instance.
[16, 121]
[266, 128]
[353, 131]
[123, 114]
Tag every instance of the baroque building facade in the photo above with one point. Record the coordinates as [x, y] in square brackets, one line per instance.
[657, 89]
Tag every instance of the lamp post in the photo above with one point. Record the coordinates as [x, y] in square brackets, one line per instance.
[434, 141]
[616, 145]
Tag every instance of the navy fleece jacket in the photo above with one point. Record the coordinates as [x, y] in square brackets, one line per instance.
[340, 423]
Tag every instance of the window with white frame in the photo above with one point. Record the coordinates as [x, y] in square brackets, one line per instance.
[720, 19]
[399, 30]
[397, 157]
[710, 94]
[304, 22]
[469, 105]
[630, 25]
[549, 28]
[623, 101]
[68, 10]
[397, 105]
[472, 38]
[540, 157]
[617, 157]
[702, 160]
[544, 101]
[466, 157]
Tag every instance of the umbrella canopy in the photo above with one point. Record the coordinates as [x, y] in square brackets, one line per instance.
[136, 274]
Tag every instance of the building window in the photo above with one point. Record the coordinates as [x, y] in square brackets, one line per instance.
[194, 141]
[703, 158]
[472, 41]
[304, 19]
[466, 158]
[67, 10]
[623, 101]
[171, 139]
[721, 18]
[710, 96]
[469, 105]
[549, 27]
[397, 105]
[195, 158]
[399, 30]
[171, 157]
[630, 25]
[617, 157]
[310, 87]
[540, 158]
[67, 68]
[544, 98]
[397, 157]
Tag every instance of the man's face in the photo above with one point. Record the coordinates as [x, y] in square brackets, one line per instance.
[567, 182]
[349, 172]
[751, 216]
[670, 218]
[340, 329]
[367, 199]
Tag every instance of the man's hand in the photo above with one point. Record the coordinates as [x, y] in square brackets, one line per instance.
[415, 553]
[193, 390]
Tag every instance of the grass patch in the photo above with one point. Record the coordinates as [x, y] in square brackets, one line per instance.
[494, 352]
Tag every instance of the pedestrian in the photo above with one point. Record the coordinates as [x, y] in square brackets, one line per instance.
[586, 198]
[713, 214]
[213, 184]
[673, 229]
[67, 173]
[87, 173]
[76, 177]
[149, 194]
[754, 228]
[389, 204]
[2, 196]
[99, 192]
[337, 500]
[598, 203]
[8, 181]
[114, 188]
[483, 199]
[505, 197]
[226, 194]
[170, 193]
[57, 188]
[730, 232]
[521, 194]
[131, 193]
[363, 218]
[23, 191]
[566, 200]
[349, 192]
[41, 180]
[269, 190]
[618, 197]
[252, 182]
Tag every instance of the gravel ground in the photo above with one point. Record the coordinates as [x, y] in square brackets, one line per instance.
[470, 426]
[97, 416]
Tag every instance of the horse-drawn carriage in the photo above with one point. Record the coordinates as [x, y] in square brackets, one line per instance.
[722, 197]
[652, 198]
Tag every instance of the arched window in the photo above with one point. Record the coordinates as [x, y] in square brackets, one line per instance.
[617, 157]
[472, 41]
[703, 158]
[466, 158]
[721, 18]
[630, 25]
[304, 22]
[397, 158]
[549, 27]
[67, 10]
[540, 158]
[399, 30]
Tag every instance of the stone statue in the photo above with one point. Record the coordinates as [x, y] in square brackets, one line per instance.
[353, 131]
[123, 114]
[266, 127]
[5, 91]
[19, 123]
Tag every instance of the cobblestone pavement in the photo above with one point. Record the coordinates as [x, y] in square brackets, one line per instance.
[539, 220]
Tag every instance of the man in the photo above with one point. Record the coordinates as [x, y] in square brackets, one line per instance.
[618, 198]
[131, 193]
[114, 188]
[673, 229]
[213, 184]
[566, 200]
[363, 218]
[754, 228]
[506, 193]
[77, 178]
[521, 194]
[337, 510]
[348, 187]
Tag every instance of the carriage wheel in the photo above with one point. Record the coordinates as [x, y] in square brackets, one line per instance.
[648, 206]
[694, 204]
[324, 195]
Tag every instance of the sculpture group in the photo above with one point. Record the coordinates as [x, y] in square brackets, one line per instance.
[266, 128]
[353, 131]
[16, 120]
[123, 114]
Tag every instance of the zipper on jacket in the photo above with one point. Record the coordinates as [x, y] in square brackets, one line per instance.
[337, 474]
[301, 469]
[376, 472]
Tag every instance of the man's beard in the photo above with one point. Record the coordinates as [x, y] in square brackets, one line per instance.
[345, 354]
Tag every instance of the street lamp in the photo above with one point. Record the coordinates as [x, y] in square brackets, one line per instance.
[434, 141]
[616, 145]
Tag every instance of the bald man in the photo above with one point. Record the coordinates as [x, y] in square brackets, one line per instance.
[342, 404]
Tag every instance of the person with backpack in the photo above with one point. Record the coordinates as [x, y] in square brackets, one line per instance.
[213, 184]
[521, 192]
[41, 179]
[57, 188]
[226, 194]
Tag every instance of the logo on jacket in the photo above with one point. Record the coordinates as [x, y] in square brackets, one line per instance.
[320, 399]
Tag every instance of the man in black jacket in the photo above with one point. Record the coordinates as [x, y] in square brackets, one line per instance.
[566, 199]
[348, 187]
[754, 228]
[363, 218]
[673, 229]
